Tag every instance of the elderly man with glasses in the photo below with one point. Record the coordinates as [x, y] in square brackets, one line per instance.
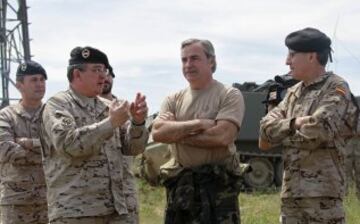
[85, 138]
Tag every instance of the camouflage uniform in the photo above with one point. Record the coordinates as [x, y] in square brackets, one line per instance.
[130, 185]
[352, 164]
[313, 155]
[208, 178]
[22, 188]
[83, 158]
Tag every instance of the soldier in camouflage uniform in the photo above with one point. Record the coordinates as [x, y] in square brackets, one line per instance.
[352, 164]
[22, 188]
[128, 175]
[84, 139]
[200, 123]
[311, 124]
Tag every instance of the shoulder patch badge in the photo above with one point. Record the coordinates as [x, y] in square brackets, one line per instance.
[341, 90]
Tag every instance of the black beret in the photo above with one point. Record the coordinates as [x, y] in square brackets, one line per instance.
[111, 71]
[308, 40]
[30, 68]
[82, 55]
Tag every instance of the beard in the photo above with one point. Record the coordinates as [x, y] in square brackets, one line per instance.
[107, 88]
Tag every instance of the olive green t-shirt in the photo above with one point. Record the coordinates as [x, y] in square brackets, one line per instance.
[217, 102]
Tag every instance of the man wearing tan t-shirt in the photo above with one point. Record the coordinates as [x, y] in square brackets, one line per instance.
[201, 123]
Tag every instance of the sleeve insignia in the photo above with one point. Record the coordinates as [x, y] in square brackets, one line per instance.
[341, 90]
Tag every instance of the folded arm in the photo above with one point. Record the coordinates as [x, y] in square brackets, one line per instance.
[322, 126]
[274, 127]
[12, 151]
[219, 136]
[171, 131]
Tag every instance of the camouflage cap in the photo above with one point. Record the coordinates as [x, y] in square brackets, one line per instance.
[308, 40]
[30, 68]
[82, 55]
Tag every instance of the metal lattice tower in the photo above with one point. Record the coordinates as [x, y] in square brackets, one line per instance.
[14, 41]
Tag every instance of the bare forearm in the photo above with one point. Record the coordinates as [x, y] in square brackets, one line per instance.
[174, 131]
[205, 140]
[219, 136]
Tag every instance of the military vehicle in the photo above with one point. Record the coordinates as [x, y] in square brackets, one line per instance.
[266, 165]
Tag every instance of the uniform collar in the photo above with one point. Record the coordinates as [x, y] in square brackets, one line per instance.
[319, 79]
[299, 87]
[82, 100]
[88, 102]
[21, 111]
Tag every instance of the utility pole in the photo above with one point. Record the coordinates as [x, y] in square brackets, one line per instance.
[14, 41]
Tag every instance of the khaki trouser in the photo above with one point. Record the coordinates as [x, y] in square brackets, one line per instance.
[23, 214]
[312, 211]
[114, 218]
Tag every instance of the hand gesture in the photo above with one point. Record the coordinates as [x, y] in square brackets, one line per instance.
[139, 109]
[118, 112]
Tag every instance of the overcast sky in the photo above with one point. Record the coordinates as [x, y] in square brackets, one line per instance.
[142, 38]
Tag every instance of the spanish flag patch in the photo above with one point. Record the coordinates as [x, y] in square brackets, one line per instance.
[264, 145]
[341, 90]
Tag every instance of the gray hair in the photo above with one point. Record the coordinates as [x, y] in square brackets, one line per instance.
[207, 46]
[71, 68]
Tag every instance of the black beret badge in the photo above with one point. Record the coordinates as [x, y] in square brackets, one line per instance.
[30, 68]
[85, 53]
[23, 67]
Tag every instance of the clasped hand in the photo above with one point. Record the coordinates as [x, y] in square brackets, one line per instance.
[121, 110]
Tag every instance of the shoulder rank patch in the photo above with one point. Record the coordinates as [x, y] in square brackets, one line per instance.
[341, 90]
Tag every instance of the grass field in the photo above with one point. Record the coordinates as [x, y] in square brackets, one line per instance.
[256, 207]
